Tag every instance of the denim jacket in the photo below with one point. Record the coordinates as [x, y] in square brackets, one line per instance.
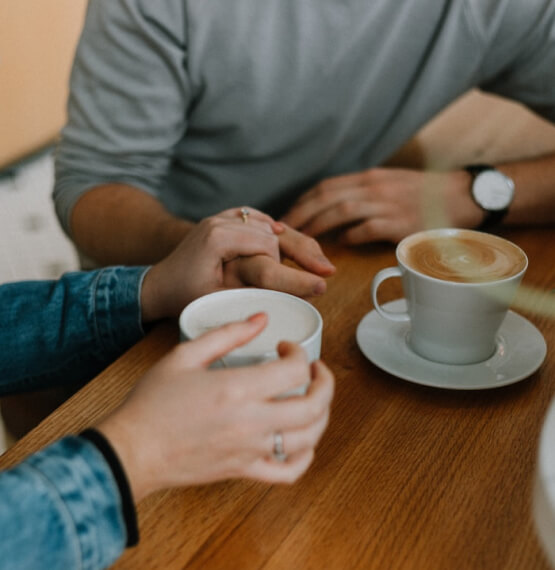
[62, 507]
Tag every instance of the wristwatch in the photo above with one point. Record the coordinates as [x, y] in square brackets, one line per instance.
[493, 191]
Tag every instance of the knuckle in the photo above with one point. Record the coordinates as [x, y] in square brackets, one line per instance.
[211, 222]
[347, 208]
[323, 190]
[313, 410]
[313, 244]
[265, 274]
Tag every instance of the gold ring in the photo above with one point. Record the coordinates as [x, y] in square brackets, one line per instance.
[245, 214]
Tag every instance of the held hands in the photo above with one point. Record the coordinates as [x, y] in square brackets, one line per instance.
[263, 271]
[225, 251]
[184, 424]
[385, 204]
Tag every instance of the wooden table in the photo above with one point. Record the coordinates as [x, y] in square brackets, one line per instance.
[405, 477]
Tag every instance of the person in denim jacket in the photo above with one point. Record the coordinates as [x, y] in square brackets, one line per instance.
[71, 505]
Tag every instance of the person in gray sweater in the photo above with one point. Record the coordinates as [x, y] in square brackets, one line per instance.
[182, 108]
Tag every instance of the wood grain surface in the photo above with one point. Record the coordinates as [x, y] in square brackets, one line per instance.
[405, 477]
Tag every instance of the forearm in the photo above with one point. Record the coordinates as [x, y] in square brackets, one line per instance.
[534, 198]
[534, 201]
[119, 224]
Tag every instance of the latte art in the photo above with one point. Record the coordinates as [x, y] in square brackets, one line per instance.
[463, 257]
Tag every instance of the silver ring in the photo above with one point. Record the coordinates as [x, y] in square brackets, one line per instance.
[244, 214]
[278, 452]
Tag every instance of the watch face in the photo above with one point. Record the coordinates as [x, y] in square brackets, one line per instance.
[493, 190]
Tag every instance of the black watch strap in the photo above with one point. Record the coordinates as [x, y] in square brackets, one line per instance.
[475, 169]
[492, 219]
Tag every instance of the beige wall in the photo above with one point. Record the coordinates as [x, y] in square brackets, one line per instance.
[37, 41]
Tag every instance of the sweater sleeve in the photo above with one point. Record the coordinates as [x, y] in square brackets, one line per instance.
[129, 96]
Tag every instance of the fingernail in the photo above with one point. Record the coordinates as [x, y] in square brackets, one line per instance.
[278, 227]
[320, 288]
[256, 318]
[326, 261]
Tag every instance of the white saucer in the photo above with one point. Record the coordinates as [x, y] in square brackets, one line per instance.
[520, 351]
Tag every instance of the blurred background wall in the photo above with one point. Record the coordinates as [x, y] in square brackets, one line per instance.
[37, 41]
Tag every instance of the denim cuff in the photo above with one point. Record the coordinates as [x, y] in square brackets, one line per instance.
[127, 503]
[115, 306]
[81, 494]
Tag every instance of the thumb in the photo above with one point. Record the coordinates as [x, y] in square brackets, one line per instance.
[216, 343]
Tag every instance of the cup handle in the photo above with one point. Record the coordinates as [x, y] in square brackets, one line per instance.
[379, 278]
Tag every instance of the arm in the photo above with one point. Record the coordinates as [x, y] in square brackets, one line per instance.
[71, 504]
[518, 46]
[389, 204]
[534, 201]
[62, 508]
[66, 331]
[119, 224]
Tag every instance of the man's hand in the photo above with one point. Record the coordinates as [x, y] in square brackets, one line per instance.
[184, 424]
[265, 272]
[385, 204]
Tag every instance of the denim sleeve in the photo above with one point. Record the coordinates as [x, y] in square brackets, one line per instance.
[61, 508]
[67, 331]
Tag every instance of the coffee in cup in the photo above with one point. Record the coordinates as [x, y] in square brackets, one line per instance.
[289, 318]
[458, 285]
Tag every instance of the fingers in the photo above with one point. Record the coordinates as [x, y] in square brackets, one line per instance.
[262, 271]
[264, 384]
[287, 471]
[305, 252]
[297, 441]
[302, 411]
[214, 344]
[248, 241]
[341, 214]
[383, 228]
[231, 238]
[253, 214]
[323, 196]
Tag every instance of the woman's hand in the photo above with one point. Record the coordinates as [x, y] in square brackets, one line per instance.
[305, 280]
[196, 266]
[223, 251]
[185, 424]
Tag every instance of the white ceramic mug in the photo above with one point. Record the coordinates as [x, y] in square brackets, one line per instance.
[289, 318]
[458, 285]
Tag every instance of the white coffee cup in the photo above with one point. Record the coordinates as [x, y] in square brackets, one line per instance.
[458, 285]
[289, 318]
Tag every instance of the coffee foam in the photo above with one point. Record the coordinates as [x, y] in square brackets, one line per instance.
[288, 319]
[462, 256]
